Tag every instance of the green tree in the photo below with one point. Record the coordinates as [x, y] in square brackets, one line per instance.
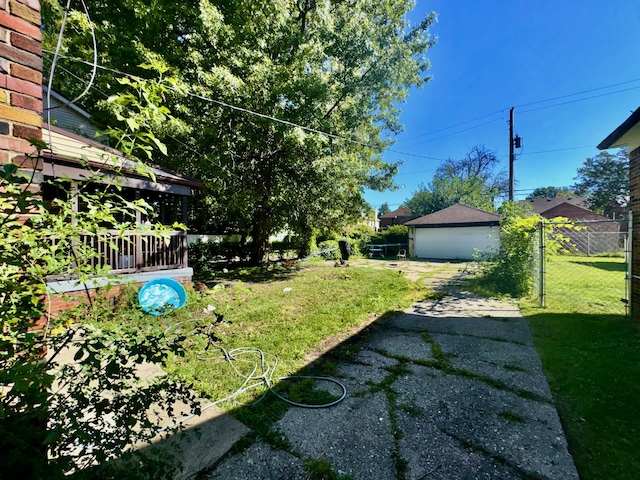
[551, 192]
[384, 208]
[337, 67]
[604, 177]
[444, 191]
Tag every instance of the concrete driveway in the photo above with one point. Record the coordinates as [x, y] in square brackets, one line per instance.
[451, 389]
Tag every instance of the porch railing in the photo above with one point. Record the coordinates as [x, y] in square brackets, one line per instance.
[134, 251]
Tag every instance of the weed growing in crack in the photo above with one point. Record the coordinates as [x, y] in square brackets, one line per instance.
[514, 368]
[411, 410]
[322, 470]
[512, 417]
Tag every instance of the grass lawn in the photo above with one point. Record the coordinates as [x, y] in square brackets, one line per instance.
[287, 313]
[591, 356]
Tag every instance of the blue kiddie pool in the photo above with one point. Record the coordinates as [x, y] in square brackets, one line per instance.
[162, 294]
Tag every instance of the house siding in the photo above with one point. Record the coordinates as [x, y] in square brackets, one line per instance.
[68, 119]
[634, 187]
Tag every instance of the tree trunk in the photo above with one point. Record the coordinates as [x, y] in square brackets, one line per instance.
[260, 236]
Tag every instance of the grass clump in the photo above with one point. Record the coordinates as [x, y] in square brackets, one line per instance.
[321, 470]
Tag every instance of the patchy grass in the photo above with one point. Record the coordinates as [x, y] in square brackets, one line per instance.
[591, 356]
[290, 313]
[288, 317]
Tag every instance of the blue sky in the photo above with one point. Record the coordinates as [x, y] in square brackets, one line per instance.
[496, 54]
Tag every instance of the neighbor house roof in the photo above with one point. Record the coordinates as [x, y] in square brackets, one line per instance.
[573, 212]
[626, 135]
[456, 216]
[541, 205]
[400, 212]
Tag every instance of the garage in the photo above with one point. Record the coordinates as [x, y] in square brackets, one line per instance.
[454, 233]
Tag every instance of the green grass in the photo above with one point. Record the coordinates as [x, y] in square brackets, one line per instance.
[586, 284]
[591, 356]
[288, 313]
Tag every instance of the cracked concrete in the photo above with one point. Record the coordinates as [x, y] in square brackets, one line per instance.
[450, 389]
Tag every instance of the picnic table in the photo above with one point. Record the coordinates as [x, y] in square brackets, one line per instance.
[380, 249]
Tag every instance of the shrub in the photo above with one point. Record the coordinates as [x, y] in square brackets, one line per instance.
[510, 271]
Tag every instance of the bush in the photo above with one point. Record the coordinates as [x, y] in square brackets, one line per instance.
[510, 272]
[359, 237]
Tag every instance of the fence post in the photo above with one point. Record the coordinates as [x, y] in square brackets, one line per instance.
[629, 257]
[542, 286]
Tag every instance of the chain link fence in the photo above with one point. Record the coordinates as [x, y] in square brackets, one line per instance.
[589, 268]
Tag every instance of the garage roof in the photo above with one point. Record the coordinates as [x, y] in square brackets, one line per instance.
[456, 216]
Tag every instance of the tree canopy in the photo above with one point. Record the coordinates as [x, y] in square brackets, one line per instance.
[478, 162]
[552, 192]
[319, 66]
[384, 208]
[470, 180]
[604, 177]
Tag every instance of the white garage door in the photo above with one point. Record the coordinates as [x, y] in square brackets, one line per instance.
[455, 243]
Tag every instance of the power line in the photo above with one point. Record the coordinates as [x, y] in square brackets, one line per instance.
[452, 126]
[577, 93]
[556, 150]
[579, 100]
[261, 115]
[378, 147]
[454, 133]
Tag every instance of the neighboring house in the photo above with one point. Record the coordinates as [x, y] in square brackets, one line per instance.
[542, 205]
[370, 220]
[596, 233]
[628, 135]
[456, 232]
[397, 217]
[66, 115]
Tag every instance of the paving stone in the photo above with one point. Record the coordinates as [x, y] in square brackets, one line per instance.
[368, 368]
[260, 461]
[521, 434]
[468, 349]
[355, 436]
[431, 454]
[513, 329]
[394, 342]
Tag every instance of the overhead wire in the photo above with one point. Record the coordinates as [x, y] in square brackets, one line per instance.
[360, 142]
[262, 115]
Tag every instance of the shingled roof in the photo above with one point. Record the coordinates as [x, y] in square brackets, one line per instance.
[399, 212]
[456, 216]
[541, 205]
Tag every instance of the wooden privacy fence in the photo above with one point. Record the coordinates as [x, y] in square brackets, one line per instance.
[135, 251]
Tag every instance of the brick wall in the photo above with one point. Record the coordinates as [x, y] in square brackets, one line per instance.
[64, 301]
[634, 187]
[20, 79]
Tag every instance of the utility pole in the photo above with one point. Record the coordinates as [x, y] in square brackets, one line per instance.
[511, 155]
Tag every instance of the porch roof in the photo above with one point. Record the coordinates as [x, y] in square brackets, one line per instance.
[67, 149]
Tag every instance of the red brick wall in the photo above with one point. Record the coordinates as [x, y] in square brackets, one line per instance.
[20, 78]
[634, 187]
[64, 301]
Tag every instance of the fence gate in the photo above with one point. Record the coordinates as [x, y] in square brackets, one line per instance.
[586, 267]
